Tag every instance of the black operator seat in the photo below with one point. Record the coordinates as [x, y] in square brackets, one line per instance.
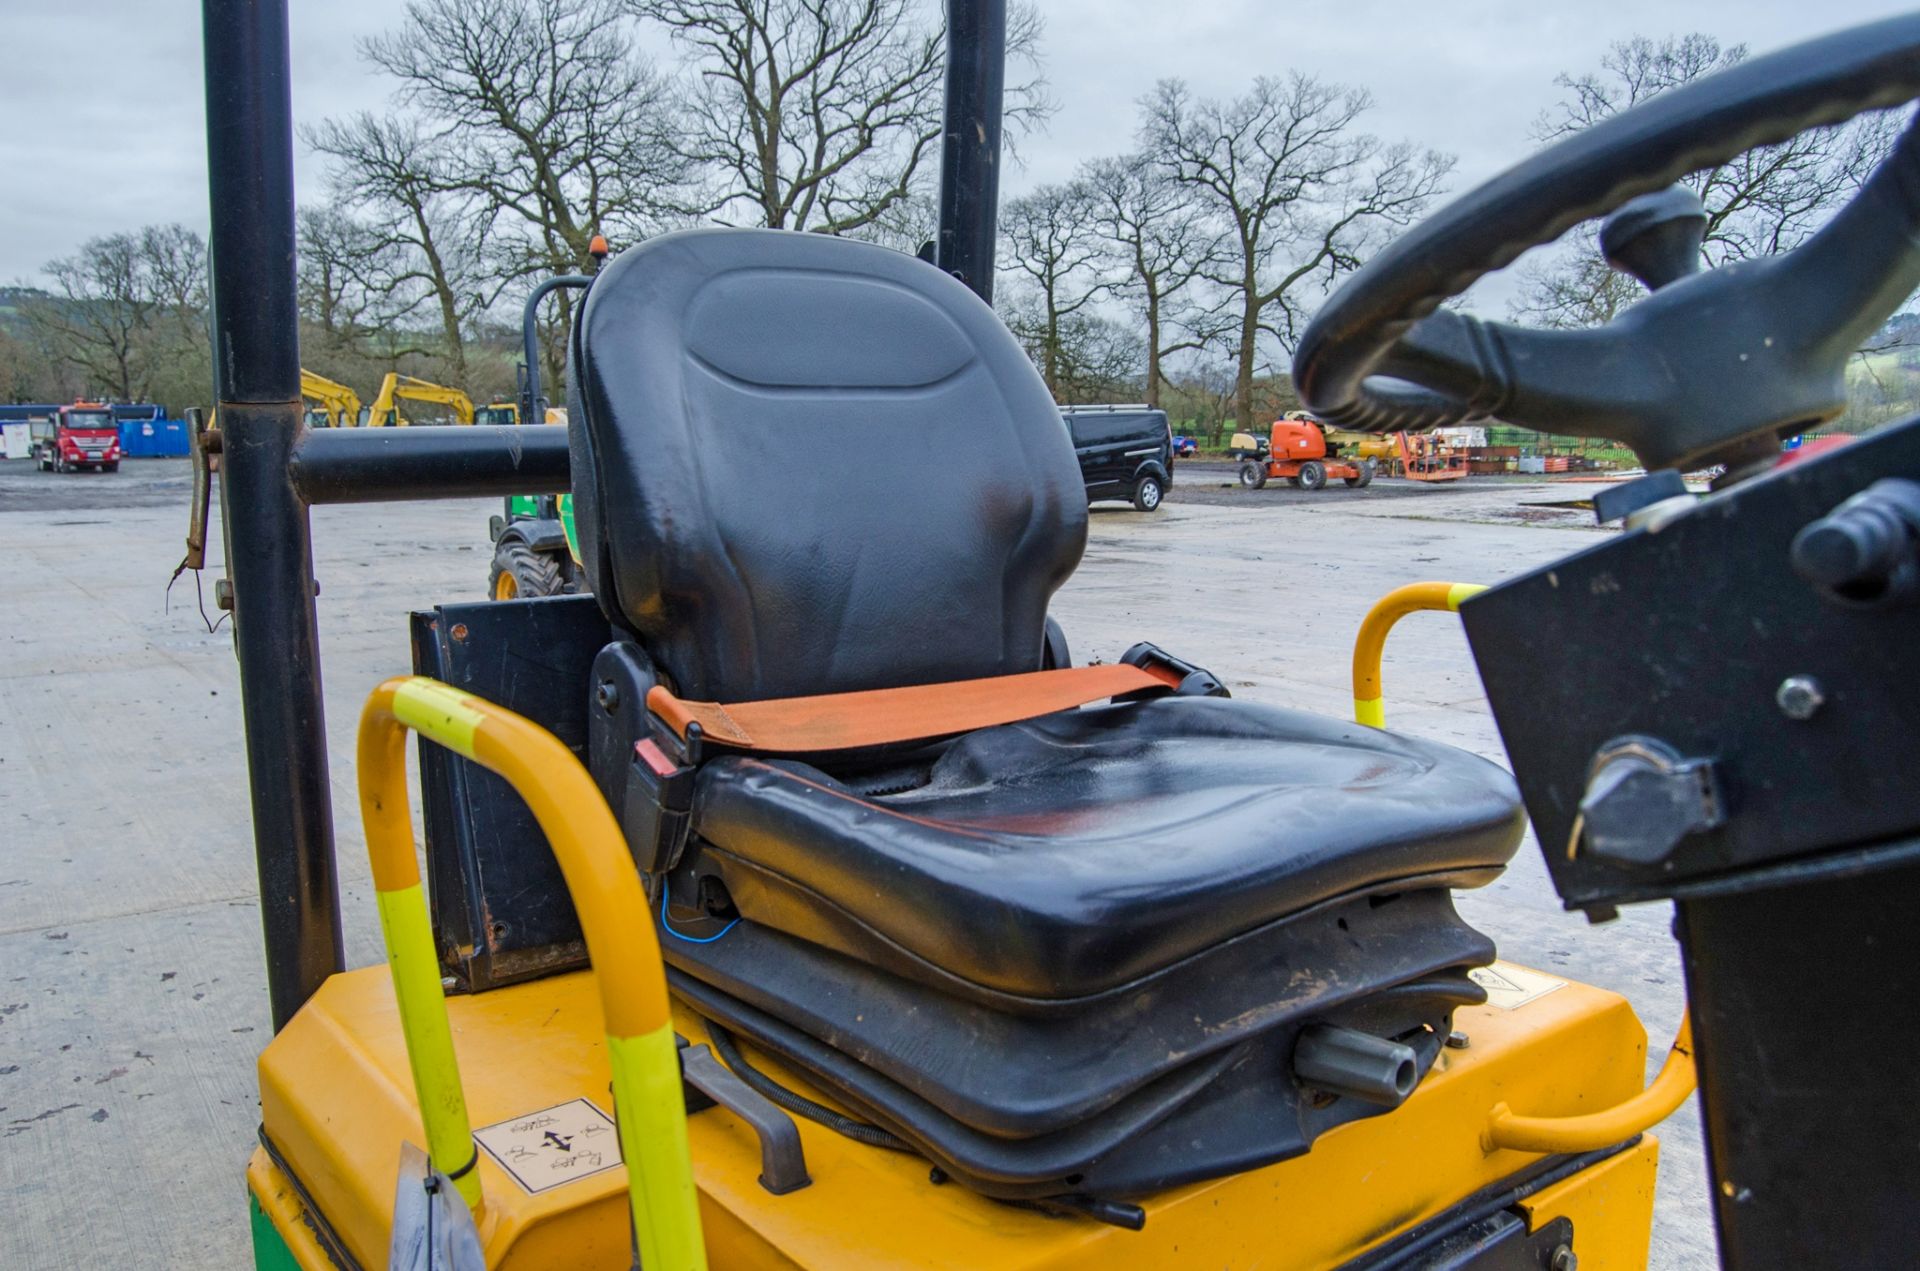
[806, 465]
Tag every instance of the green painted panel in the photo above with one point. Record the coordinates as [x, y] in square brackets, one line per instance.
[270, 1252]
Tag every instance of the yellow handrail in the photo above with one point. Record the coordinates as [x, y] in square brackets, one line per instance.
[1505, 1128]
[1596, 1130]
[1372, 640]
[648, 1104]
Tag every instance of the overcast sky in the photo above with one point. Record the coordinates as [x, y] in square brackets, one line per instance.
[101, 123]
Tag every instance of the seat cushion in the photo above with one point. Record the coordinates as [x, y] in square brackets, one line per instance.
[1076, 853]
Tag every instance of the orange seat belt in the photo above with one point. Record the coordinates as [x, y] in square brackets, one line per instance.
[884, 716]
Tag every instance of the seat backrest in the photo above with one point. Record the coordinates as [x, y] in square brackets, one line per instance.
[805, 464]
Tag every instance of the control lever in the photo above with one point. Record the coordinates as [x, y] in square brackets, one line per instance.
[1656, 237]
[1867, 550]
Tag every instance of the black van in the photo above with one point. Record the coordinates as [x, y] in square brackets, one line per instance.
[1126, 452]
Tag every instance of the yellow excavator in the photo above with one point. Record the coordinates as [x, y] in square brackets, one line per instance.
[335, 405]
[497, 411]
[396, 387]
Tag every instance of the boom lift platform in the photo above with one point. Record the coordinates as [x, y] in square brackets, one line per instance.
[793, 903]
[1297, 448]
[1428, 457]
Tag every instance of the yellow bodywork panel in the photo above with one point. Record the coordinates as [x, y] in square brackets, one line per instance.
[1610, 1206]
[337, 1101]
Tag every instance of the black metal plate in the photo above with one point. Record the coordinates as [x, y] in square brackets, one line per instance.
[1803, 1015]
[501, 912]
[1685, 635]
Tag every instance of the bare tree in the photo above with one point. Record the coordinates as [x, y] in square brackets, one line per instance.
[341, 275]
[1155, 228]
[424, 237]
[130, 314]
[545, 113]
[1302, 194]
[817, 114]
[1095, 358]
[1050, 239]
[1766, 200]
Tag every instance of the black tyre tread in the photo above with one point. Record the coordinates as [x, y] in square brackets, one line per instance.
[534, 573]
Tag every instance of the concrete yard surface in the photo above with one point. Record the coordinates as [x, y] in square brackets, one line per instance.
[132, 987]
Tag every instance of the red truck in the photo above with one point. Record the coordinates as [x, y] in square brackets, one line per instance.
[83, 435]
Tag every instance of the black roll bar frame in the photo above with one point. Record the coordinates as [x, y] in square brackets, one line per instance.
[273, 468]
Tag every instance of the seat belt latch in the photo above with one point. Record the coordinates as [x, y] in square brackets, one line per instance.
[657, 814]
[1195, 681]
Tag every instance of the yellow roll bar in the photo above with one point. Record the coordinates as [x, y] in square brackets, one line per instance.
[614, 917]
[1372, 640]
[1603, 1129]
[1505, 1128]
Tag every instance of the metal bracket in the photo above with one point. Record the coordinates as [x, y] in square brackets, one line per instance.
[432, 1227]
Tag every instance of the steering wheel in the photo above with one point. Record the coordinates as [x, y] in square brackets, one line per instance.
[1712, 366]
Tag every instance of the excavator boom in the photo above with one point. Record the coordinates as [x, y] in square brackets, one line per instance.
[340, 403]
[396, 387]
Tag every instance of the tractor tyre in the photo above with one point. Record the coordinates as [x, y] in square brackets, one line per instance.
[1365, 478]
[1313, 475]
[1147, 494]
[520, 573]
[1253, 475]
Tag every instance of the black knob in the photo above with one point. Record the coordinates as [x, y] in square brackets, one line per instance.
[1656, 237]
[1867, 550]
[1642, 798]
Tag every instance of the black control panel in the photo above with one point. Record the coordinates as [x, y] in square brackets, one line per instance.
[1727, 687]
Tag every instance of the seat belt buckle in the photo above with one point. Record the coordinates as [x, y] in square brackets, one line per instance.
[1195, 681]
[657, 813]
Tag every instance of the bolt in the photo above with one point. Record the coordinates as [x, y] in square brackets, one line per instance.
[1800, 697]
[608, 695]
[459, 632]
[1457, 1040]
[1564, 1259]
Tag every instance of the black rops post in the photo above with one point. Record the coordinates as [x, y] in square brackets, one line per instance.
[970, 154]
[272, 468]
[256, 338]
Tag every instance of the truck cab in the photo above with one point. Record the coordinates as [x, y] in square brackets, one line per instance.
[84, 435]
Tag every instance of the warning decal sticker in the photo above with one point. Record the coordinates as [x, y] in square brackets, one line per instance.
[554, 1145]
[1509, 986]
